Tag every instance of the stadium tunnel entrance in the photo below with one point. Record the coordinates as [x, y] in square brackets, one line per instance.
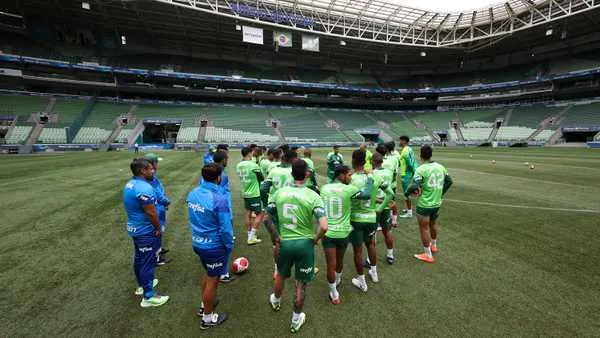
[580, 134]
[160, 131]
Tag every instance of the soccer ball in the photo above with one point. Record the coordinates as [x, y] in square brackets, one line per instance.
[240, 265]
[532, 166]
[493, 161]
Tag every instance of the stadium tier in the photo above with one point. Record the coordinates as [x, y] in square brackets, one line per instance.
[18, 135]
[22, 105]
[467, 116]
[433, 120]
[249, 119]
[476, 134]
[533, 116]
[53, 135]
[188, 134]
[123, 135]
[584, 114]
[67, 111]
[226, 135]
[306, 124]
[100, 123]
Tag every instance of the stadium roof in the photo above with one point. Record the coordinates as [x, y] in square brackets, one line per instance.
[392, 22]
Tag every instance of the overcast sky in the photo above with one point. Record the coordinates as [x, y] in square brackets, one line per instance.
[447, 5]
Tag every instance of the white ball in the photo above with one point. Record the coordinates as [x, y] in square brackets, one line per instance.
[240, 265]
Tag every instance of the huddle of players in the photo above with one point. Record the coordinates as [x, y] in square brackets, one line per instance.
[349, 208]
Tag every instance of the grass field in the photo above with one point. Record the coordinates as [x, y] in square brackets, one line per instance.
[519, 254]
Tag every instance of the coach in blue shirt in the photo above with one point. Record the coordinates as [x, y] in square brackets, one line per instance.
[208, 156]
[143, 227]
[212, 238]
[162, 203]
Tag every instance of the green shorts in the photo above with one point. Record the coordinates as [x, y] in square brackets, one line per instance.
[335, 243]
[299, 253]
[432, 213]
[362, 233]
[406, 181]
[253, 204]
[384, 219]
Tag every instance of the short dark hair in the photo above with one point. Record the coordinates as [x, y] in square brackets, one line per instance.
[220, 156]
[307, 152]
[390, 146]
[359, 157]
[284, 147]
[289, 156]
[223, 146]
[426, 152]
[277, 153]
[299, 169]
[138, 164]
[246, 151]
[270, 151]
[377, 158]
[381, 148]
[404, 138]
[341, 170]
[211, 172]
[253, 145]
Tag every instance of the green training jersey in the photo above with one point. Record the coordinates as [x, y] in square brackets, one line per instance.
[368, 158]
[311, 167]
[296, 208]
[390, 162]
[246, 171]
[386, 177]
[408, 163]
[333, 160]
[264, 165]
[279, 177]
[273, 165]
[430, 177]
[309, 163]
[337, 198]
[364, 211]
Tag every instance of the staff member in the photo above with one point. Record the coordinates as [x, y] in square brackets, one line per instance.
[143, 227]
[212, 238]
[162, 204]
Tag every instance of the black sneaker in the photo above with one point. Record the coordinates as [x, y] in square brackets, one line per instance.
[226, 278]
[217, 319]
[200, 311]
[162, 261]
[163, 251]
[389, 260]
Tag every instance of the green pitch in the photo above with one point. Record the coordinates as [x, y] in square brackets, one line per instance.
[519, 254]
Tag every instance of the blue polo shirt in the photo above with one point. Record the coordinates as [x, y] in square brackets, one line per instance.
[208, 157]
[209, 218]
[162, 201]
[136, 194]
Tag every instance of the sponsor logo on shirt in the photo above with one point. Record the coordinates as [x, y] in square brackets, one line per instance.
[201, 240]
[196, 207]
[146, 249]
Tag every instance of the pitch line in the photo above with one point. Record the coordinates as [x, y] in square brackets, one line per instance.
[521, 206]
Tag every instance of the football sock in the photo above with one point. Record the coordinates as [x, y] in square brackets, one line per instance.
[332, 288]
[394, 219]
[368, 261]
[434, 242]
[361, 278]
[338, 277]
[252, 234]
[295, 317]
[207, 317]
[427, 250]
[409, 211]
[374, 268]
[390, 252]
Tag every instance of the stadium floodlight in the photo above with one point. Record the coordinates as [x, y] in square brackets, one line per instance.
[423, 53]
[238, 27]
[342, 43]
[85, 5]
[123, 40]
[549, 31]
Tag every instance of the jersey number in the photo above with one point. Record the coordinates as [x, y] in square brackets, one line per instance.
[243, 174]
[436, 181]
[333, 207]
[289, 213]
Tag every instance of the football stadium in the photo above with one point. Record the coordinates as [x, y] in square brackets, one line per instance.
[280, 167]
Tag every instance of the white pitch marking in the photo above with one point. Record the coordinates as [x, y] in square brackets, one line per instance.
[521, 206]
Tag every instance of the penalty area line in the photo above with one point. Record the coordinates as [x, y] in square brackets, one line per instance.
[521, 206]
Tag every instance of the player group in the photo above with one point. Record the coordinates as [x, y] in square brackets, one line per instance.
[280, 191]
